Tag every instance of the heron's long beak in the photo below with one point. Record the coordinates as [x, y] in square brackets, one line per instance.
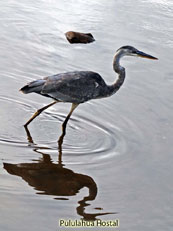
[144, 55]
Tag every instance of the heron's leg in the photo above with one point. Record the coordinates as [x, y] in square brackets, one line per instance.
[74, 105]
[61, 138]
[29, 137]
[38, 113]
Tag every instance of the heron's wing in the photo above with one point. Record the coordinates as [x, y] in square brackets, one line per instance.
[73, 86]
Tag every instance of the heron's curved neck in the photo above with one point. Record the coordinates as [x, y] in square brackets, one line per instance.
[120, 71]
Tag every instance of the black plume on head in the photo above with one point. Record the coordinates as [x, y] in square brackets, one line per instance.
[127, 47]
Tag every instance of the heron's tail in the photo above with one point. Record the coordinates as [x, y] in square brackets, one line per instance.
[35, 86]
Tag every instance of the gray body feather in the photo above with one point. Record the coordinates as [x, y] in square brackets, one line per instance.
[73, 87]
[35, 86]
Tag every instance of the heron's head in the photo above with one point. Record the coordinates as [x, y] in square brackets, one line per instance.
[131, 51]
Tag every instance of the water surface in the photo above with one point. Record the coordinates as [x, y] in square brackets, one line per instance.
[116, 158]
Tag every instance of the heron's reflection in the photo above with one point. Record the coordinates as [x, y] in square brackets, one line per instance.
[54, 179]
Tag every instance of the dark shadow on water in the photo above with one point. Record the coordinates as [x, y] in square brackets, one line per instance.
[54, 179]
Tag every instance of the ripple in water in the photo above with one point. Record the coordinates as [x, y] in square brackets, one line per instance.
[87, 140]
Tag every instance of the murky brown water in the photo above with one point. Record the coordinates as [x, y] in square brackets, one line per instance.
[116, 158]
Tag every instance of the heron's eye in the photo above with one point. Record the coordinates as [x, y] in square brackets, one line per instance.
[134, 52]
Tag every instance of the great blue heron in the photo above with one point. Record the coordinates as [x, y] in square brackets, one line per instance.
[80, 86]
